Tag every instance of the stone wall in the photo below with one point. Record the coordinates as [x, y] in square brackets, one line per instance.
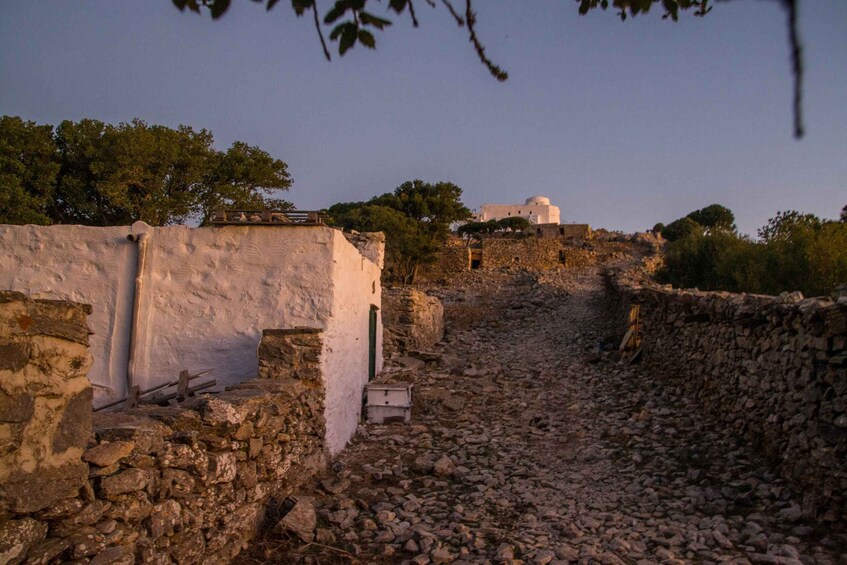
[773, 369]
[174, 484]
[451, 259]
[45, 409]
[411, 319]
[565, 231]
[530, 253]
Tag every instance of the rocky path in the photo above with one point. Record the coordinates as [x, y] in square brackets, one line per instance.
[529, 444]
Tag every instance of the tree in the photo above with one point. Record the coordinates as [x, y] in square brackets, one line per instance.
[844, 214]
[515, 223]
[681, 228]
[788, 225]
[93, 173]
[416, 219]
[795, 251]
[714, 217]
[28, 169]
[352, 22]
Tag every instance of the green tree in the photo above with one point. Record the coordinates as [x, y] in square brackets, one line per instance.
[681, 228]
[788, 225]
[844, 214]
[93, 173]
[407, 243]
[514, 223]
[245, 177]
[427, 211]
[714, 217]
[795, 251]
[28, 168]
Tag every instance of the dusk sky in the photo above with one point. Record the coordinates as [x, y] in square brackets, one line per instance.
[622, 125]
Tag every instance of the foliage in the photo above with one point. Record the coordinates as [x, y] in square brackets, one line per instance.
[474, 230]
[795, 252]
[416, 219]
[844, 214]
[515, 223]
[714, 217]
[28, 169]
[788, 225]
[658, 228]
[93, 173]
[681, 228]
[351, 22]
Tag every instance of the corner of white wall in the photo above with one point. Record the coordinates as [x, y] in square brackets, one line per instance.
[356, 286]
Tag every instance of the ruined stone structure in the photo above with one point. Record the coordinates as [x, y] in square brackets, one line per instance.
[774, 369]
[178, 298]
[536, 209]
[565, 231]
[185, 484]
[413, 320]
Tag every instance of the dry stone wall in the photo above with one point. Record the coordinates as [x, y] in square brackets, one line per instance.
[173, 484]
[531, 253]
[773, 369]
[451, 259]
[412, 320]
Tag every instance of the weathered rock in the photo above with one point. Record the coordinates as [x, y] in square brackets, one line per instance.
[444, 466]
[300, 520]
[17, 536]
[130, 480]
[109, 453]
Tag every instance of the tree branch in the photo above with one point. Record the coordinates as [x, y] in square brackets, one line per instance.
[453, 12]
[797, 66]
[412, 13]
[495, 71]
[320, 33]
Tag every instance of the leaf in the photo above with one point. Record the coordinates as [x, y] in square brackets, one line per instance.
[271, 4]
[336, 31]
[604, 4]
[398, 5]
[179, 4]
[672, 8]
[336, 12]
[584, 6]
[219, 8]
[348, 38]
[370, 19]
[366, 38]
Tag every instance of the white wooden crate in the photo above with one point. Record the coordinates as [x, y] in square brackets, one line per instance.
[381, 414]
[390, 394]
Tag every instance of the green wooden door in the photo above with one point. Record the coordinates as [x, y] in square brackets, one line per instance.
[372, 343]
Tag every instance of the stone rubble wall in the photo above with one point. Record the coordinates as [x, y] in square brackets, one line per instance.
[175, 484]
[530, 253]
[451, 259]
[773, 369]
[412, 320]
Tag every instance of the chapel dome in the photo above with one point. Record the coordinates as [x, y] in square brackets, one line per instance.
[538, 200]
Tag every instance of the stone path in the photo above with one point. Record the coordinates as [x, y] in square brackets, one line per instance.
[530, 444]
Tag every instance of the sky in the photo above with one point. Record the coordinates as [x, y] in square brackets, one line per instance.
[621, 124]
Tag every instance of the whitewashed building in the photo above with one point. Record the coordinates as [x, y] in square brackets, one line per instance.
[537, 210]
[179, 298]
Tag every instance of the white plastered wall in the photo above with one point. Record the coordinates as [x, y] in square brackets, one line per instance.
[207, 294]
[93, 266]
[356, 287]
[536, 213]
